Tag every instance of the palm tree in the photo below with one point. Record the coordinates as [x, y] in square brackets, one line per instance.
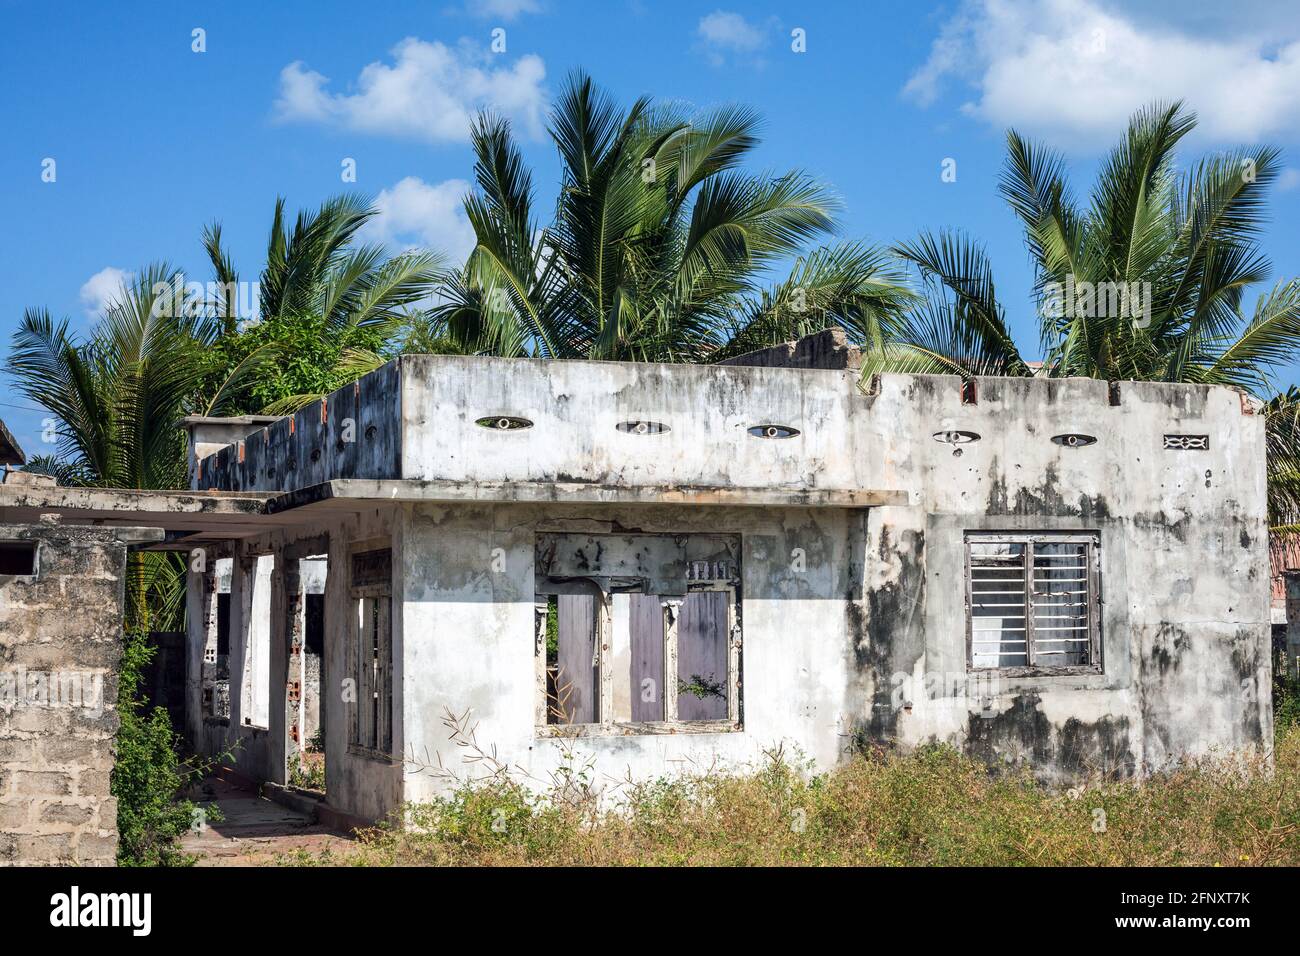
[159, 353]
[321, 295]
[117, 400]
[659, 244]
[1181, 245]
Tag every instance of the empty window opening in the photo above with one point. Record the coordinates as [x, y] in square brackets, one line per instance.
[1033, 602]
[305, 745]
[256, 690]
[223, 625]
[371, 651]
[572, 659]
[216, 651]
[373, 662]
[18, 557]
[315, 629]
[649, 642]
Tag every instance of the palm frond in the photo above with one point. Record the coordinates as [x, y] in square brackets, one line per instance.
[962, 314]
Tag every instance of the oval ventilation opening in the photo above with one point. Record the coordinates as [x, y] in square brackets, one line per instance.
[955, 437]
[643, 428]
[503, 423]
[1074, 440]
[773, 431]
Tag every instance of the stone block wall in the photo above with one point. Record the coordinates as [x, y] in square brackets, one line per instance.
[60, 650]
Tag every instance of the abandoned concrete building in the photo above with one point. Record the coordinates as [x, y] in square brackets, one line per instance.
[666, 567]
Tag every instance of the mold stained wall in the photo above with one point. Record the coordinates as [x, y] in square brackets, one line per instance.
[578, 405]
[1182, 532]
[352, 433]
[1184, 571]
[470, 630]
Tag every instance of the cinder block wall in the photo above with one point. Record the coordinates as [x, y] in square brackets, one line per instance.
[60, 650]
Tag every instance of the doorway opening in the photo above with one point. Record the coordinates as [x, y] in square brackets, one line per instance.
[305, 743]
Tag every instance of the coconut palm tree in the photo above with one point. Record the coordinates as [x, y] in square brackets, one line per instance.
[161, 351]
[117, 399]
[659, 246]
[1145, 281]
[321, 293]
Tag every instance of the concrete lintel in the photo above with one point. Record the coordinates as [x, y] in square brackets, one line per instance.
[135, 501]
[139, 535]
[167, 515]
[358, 490]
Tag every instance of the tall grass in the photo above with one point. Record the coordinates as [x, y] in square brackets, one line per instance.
[931, 806]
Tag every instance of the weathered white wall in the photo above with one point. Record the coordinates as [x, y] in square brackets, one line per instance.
[1184, 568]
[576, 407]
[469, 637]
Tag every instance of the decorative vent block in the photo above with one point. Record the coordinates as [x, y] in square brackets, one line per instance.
[1188, 442]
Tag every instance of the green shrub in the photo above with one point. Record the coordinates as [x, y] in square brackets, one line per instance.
[149, 774]
[308, 775]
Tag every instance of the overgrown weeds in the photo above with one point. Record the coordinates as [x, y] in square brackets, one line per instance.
[932, 806]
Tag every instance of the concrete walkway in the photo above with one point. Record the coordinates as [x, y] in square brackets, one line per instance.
[256, 831]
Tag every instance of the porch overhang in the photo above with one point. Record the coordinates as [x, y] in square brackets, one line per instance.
[186, 518]
[344, 492]
[192, 519]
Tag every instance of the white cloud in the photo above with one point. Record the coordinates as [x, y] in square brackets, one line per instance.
[502, 9]
[103, 289]
[730, 31]
[723, 34]
[430, 91]
[1074, 71]
[416, 214]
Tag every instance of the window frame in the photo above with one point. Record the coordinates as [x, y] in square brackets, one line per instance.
[609, 725]
[604, 666]
[1093, 605]
[732, 722]
[381, 592]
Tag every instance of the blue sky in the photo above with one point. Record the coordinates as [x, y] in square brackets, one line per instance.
[152, 140]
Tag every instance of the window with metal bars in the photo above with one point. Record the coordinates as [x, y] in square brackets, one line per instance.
[1032, 602]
